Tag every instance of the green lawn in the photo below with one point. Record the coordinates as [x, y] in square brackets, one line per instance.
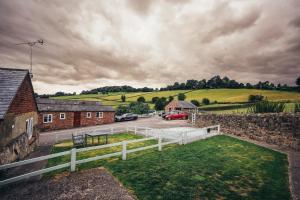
[220, 95]
[220, 167]
[68, 145]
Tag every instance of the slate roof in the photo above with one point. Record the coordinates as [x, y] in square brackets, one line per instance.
[187, 105]
[54, 105]
[10, 82]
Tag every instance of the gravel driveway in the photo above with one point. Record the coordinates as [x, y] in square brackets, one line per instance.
[95, 183]
[49, 138]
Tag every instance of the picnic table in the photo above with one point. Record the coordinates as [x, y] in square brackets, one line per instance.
[96, 135]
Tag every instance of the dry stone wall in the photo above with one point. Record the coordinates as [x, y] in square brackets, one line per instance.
[282, 129]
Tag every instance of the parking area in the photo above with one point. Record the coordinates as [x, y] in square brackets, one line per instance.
[49, 138]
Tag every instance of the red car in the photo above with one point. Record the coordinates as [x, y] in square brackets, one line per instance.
[181, 115]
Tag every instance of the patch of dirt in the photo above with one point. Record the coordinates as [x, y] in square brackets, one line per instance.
[95, 183]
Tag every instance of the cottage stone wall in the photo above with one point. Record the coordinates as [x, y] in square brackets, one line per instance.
[280, 129]
[18, 149]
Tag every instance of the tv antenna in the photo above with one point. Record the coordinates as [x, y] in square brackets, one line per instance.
[31, 44]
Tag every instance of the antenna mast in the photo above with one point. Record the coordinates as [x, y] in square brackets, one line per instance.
[31, 44]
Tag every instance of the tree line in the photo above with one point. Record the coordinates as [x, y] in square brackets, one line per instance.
[218, 82]
[124, 88]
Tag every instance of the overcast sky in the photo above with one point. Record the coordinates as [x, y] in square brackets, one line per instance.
[151, 42]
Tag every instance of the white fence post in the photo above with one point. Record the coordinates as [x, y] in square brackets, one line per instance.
[73, 160]
[182, 138]
[135, 130]
[218, 129]
[185, 138]
[124, 150]
[159, 142]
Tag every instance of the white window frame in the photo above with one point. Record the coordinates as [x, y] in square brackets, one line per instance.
[48, 121]
[60, 114]
[100, 114]
[29, 127]
[88, 115]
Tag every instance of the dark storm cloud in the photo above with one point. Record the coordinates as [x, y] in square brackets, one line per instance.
[151, 43]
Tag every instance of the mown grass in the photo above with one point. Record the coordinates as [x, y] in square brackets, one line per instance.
[220, 167]
[68, 145]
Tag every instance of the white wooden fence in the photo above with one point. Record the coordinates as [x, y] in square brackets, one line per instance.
[73, 152]
[73, 162]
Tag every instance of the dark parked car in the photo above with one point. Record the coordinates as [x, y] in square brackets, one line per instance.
[180, 115]
[126, 117]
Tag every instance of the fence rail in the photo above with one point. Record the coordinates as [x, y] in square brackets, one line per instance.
[73, 162]
[73, 152]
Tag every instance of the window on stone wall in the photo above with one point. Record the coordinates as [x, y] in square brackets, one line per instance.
[88, 115]
[47, 118]
[99, 114]
[62, 115]
[29, 127]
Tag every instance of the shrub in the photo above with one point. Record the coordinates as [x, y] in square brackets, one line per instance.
[255, 98]
[141, 99]
[267, 107]
[297, 107]
[205, 101]
[171, 98]
[139, 108]
[181, 97]
[195, 102]
[122, 109]
[154, 99]
[160, 103]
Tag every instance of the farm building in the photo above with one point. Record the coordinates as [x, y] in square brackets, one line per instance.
[18, 115]
[62, 114]
[180, 105]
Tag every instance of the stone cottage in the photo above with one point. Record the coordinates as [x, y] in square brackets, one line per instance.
[63, 114]
[18, 115]
[180, 105]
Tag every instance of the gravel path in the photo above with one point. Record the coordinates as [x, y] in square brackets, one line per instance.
[95, 183]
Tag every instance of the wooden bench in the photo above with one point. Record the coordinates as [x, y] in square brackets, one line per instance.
[78, 140]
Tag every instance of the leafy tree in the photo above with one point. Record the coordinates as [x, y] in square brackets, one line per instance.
[191, 84]
[160, 104]
[181, 97]
[122, 109]
[298, 81]
[164, 99]
[141, 99]
[201, 84]
[123, 98]
[195, 102]
[171, 98]
[139, 108]
[154, 99]
[205, 101]
[249, 86]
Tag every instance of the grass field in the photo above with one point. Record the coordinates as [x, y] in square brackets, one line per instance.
[220, 167]
[221, 95]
